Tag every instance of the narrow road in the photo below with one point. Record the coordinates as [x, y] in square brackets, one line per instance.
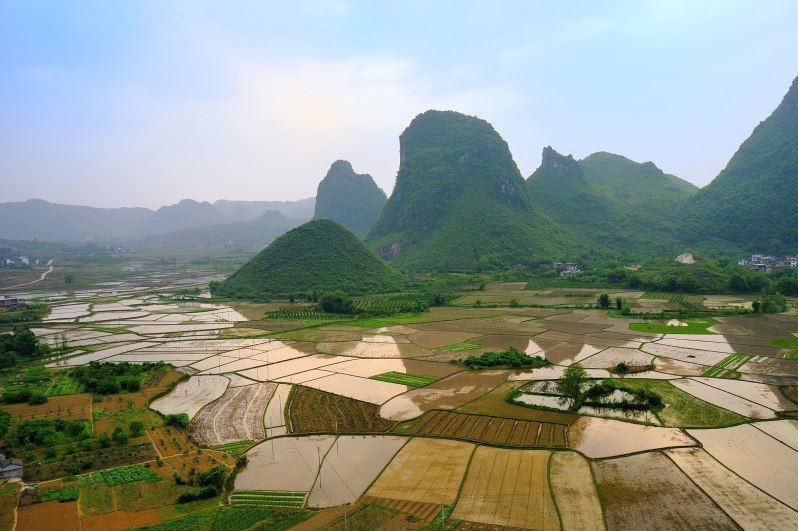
[42, 277]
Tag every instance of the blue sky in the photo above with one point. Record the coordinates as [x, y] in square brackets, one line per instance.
[144, 103]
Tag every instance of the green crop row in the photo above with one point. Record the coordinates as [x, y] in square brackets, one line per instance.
[405, 379]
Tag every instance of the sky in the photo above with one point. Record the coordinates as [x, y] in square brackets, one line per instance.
[144, 103]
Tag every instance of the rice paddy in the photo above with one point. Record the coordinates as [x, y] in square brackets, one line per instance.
[368, 418]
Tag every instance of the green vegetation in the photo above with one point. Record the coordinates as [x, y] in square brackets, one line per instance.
[660, 295]
[179, 420]
[319, 256]
[770, 301]
[693, 327]
[351, 199]
[459, 203]
[268, 498]
[34, 311]
[751, 203]
[572, 382]
[402, 302]
[457, 347]
[62, 494]
[235, 447]
[727, 368]
[113, 378]
[63, 385]
[405, 379]
[225, 518]
[19, 346]
[47, 432]
[120, 476]
[682, 409]
[510, 358]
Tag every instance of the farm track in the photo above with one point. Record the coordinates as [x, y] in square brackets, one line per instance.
[313, 411]
[235, 416]
[491, 430]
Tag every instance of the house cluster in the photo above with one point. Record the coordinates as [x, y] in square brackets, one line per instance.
[765, 264]
[18, 261]
[567, 269]
[11, 303]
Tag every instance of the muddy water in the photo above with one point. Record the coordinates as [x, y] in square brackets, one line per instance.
[189, 396]
[762, 394]
[366, 390]
[723, 399]
[568, 353]
[756, 457]
[350, 466]
[615, 355]
[448, 393]
[784, 430]
[367, 368]
[284, 463]
[598, 437]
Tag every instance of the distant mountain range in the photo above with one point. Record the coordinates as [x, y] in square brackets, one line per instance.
[39, 219]
[460, 203]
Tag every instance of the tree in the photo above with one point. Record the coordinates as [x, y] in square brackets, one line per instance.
[69, 279]
[136, 428]
[337, 303]
[618, 303]
[604, 301]
[570, 384]
[213, 477]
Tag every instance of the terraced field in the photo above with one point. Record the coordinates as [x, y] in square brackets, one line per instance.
[237, 415]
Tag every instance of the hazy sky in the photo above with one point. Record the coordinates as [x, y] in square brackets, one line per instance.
[144, 103]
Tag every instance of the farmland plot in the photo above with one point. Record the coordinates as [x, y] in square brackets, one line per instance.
[748, 506]
[191, 395]
[274, 416]
[366, 390]
[762, 394]
[67, 407]
[650, 488]
[237, 415]
[491, 430]
[448, 393]
[313, 411]
[614, 355]
[723, 399]
[53, 516]
[756, 457]
[284, 464]
[599, 438]
[784, 430]
[350, 466]
[574, 492]
[508, 488]
[426, 471]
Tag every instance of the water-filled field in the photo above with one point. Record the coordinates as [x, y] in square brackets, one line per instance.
[382, 418]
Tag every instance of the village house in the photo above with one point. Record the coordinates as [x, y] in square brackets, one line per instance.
[10, 467]
[766, 263]
[11, 303]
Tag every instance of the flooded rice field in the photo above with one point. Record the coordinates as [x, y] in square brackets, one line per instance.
[392, 417]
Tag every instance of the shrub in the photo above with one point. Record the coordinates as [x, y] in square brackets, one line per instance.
[37, 398]
[203, 494]
[337, 303]
[213, 477]
[179, 420]
[119, 435]
[136, 428]
[508, 358]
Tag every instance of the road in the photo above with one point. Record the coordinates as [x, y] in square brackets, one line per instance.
[50, 269]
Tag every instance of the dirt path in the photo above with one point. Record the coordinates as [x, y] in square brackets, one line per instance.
[41, 277]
